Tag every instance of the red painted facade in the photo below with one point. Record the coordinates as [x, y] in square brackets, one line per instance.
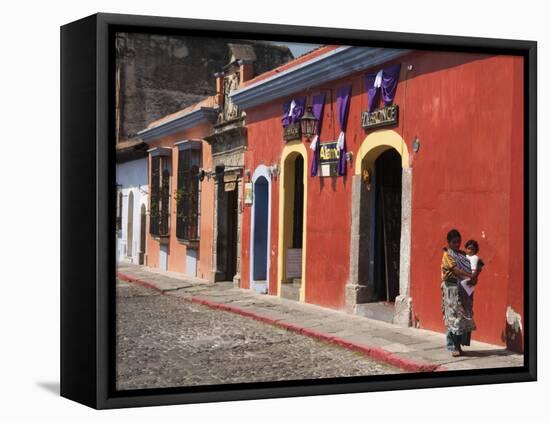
[467, 112]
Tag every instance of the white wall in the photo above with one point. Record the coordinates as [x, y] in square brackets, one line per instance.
[131, 177]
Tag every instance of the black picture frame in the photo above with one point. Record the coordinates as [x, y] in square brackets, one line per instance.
[88, 211]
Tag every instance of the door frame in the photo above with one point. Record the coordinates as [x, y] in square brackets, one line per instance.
[358, 288]
[261, 171]
[290, 151]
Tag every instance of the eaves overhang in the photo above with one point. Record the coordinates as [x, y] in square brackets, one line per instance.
[337, 63]
[189, 120]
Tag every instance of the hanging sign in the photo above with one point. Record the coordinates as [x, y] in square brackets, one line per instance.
[380, 117]
[292, 132]
[328, 158]
[248, 193]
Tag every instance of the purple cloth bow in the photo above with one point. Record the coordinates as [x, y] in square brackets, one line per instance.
[318, 104]
[390, 78]
[344, 96]
[296, 114]
[286, 119]
[298, 111]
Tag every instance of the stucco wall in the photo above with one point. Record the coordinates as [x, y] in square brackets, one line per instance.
[466, 110]
[177, 251]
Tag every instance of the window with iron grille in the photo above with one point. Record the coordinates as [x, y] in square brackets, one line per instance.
[160, 196]
[187, 194]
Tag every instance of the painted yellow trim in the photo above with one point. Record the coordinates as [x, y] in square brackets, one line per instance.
[294, 147]
[376, 143]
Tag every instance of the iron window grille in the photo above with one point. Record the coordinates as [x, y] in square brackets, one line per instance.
[160, 196]
[188, 191]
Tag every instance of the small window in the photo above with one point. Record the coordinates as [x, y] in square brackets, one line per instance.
[187, 194]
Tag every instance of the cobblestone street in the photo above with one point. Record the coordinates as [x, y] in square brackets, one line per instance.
[163, 341]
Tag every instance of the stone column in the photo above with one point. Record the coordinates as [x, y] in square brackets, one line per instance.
[403, 302]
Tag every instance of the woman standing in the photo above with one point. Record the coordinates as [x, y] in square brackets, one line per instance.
[457, 305]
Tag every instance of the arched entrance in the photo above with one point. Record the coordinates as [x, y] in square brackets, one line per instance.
[130, 227]
[292, 222]
[380, 233]
[387, 225]
[260, 230]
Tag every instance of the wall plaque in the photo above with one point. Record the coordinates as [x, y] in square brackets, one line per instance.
[292, 131]
[380, 117]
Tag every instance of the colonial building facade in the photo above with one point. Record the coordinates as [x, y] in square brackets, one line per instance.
[407, 146]
[410, 144]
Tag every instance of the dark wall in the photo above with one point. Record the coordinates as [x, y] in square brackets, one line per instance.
[158, 74]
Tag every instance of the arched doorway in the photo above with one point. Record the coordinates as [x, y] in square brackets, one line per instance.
[260, 230]
[292, 223]
[130, 227]
[387, 225]
[378, 286]
[142, 233]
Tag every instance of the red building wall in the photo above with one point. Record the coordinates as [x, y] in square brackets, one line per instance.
[466, 110]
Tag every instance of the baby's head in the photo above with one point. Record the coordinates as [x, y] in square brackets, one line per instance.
[472, 247]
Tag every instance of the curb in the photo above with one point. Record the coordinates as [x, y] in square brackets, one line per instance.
[375, 353]
[145, 284]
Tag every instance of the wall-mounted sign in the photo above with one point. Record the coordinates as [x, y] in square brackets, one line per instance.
[380, 117]
[248, 193]
[230, 186]
[328, 158]
[292, 132]
[230, 177]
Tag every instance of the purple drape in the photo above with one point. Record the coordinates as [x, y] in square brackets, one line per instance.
[372, 91]
[344, 96]
[286, 119]
[298, 111]
[318, 104]
[390, 77]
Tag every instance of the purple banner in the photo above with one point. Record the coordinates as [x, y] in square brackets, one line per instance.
[388, 85]
[286, 108]
[298, 111]
[390, 77]
[318, 105]
[344, 97]
[372, 91]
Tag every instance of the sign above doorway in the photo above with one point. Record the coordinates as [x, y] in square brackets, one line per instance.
[384, 116]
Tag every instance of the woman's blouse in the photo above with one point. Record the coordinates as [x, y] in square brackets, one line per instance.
[450, 260]
[448, 263]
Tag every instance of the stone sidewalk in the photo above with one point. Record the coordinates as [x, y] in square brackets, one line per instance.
[408, 348]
